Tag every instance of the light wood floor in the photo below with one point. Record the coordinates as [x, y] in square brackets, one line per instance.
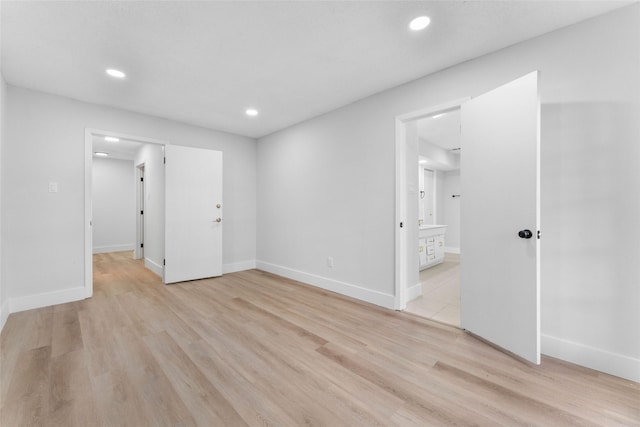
[255, 349]
[440, 299]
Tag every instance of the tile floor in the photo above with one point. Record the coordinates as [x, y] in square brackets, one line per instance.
[440, 298]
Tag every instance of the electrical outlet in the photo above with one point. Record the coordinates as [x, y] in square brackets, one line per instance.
[330, 263]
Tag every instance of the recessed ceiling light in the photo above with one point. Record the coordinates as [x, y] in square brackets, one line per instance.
[251, 112]
[116, 73]
[419, 23]
[111, 139]
[101, 153]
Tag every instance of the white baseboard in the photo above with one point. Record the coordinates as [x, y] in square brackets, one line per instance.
[4, 313]
[232, 267]
[452, 250]
[153, 266]
[114, 248]
[591, 357]
[350, 290]
[414, 292]
[46, 299]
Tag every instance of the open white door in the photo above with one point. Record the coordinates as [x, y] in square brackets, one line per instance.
[193, 213]
[500, 288]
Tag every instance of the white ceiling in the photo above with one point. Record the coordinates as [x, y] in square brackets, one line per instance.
[205, 62]
[123, 149]
[441, 130]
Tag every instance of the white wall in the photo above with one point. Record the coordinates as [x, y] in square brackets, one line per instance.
[44, 232]
[439, 196]
[317, 195]
[114, 205]
[451, 209]
[4, 299]
[152, 156]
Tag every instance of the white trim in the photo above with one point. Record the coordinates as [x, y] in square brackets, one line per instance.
[88, 213]
[238, 266]
[414, 292]
[46, 299]
[451, 250]
[143, 139]
[401, 285]
[343, 288]
[88, 197]
[114, 248]
[139, 252]
[4, 314]
[591, 357]
[153, 266]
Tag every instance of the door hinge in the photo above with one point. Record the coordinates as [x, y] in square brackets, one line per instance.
[401, 224]
[164, 262]
[165, 160]
[141, 179]
[141, 212]
[538, 234]
[142, 245]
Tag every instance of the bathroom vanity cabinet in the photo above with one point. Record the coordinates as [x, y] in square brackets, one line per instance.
[431, 245]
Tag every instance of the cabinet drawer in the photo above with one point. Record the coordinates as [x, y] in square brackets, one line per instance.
[431, 249]
[430, 240]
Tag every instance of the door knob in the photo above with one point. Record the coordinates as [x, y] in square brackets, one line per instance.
[525, 234]
[218, 219]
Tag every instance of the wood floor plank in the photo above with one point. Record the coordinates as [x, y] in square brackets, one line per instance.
[71, 398]
[26, 331]
[66, 333]
[27, 401]
[286, 354]
[120, 401]
[252, 348]
[206, 402]
[165, 405]
[255, 409]
[434, 408]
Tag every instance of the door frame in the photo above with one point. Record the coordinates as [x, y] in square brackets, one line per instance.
[89, 133]
[140, 207]
[402, 188]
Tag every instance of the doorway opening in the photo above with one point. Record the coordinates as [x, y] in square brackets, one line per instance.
[500, 274]
[436, 295]
[116, 214]
[427, 157]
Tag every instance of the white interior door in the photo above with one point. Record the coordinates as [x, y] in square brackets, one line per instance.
[193, 213]
[500, 289]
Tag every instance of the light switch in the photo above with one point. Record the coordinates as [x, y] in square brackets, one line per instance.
[53, 187]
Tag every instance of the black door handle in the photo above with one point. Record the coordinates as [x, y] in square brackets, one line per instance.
[525, 234]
